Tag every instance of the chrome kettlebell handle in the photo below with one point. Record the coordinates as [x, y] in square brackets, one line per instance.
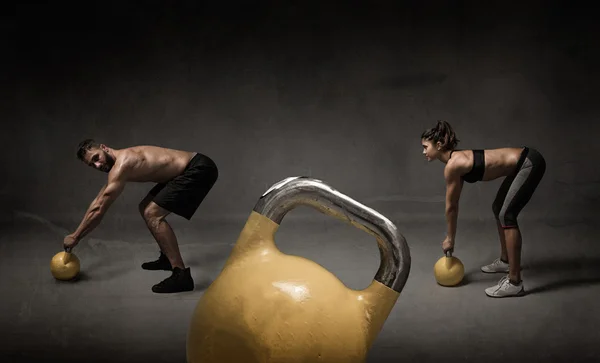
[291, 192]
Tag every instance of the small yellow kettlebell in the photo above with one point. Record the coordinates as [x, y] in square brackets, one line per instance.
[267, 306]
[449, 270]
[65, 266]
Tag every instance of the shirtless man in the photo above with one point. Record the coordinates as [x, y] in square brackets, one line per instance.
[183, 180]
[522, 168]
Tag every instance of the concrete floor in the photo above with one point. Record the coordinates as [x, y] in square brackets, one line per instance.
[110, 314]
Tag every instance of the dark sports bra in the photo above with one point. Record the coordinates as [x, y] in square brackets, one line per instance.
[478, 169]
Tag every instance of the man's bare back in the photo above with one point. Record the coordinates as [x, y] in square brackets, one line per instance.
[149, 163]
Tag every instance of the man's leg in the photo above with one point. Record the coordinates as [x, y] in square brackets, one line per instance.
[182, 196]
[181, 279]
[162, 263]
[155, 217]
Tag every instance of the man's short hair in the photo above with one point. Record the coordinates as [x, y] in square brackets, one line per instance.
[85, 146]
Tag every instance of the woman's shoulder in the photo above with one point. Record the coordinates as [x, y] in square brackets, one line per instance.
[460, 157]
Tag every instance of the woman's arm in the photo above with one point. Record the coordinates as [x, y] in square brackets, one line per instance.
[454, 185]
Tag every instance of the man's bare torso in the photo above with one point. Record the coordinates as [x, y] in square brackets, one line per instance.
[498, 162]
[150, 164]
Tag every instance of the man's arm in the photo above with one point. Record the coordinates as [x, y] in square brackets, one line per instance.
[99, 206]
[453, 188]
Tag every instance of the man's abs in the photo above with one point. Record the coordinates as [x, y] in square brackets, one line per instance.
[154, 164]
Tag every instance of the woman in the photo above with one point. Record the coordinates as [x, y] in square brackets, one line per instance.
[523, 169]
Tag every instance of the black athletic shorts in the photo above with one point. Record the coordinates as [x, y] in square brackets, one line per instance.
[183, 194]
[517, 189]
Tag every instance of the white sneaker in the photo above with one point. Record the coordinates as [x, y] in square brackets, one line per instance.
[497, 266]
[505, 288]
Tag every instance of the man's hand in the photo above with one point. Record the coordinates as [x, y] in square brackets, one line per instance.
[448, 245]
[70, 242]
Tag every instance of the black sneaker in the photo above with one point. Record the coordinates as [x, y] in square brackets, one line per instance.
[161, 264]
[179, 281]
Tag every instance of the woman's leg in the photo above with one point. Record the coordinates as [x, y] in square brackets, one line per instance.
[532, 167]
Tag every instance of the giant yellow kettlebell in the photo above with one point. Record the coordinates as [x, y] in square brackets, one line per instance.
[449, 270]
[267, 306]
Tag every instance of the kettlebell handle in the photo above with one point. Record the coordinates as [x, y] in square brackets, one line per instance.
[291, 192]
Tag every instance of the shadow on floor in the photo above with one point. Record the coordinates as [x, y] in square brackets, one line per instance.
[203, 284]
[211, 261]
[476, 275]
[104, 270]
[582, 264]
[564, 283]
[570, 272]
[215, 258]
[99, 270]
[465, 281]
[104, 274]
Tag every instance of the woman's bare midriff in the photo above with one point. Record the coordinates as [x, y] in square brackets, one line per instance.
[500, 162]
[154, 164]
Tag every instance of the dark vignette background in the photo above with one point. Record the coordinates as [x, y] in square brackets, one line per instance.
[340, 92]
[273, 89]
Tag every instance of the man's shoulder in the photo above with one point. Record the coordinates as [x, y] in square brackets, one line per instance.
[123, 166]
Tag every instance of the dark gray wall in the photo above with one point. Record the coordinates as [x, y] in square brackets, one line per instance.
[341, 93]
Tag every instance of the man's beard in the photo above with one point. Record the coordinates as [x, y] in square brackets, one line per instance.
[110, 162]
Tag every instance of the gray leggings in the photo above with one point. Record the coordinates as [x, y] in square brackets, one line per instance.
[517, 189]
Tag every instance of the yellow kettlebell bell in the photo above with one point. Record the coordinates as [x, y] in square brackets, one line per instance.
[449, 270]
[267, 306]
[65, 265]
